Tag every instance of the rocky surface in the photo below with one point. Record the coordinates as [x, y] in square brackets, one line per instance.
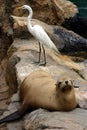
[3, 85]
[58, 10]
[76, 22]
[42, 119]
[4, 90]
[66, 41]
[22, 55]
[6, 30]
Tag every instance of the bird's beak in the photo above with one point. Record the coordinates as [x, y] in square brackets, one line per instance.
[19, 8]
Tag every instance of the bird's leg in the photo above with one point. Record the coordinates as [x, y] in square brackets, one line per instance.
[39, 53]
[44, 56]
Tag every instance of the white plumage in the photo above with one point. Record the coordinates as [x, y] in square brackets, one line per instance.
[42, 37]
[38, 32]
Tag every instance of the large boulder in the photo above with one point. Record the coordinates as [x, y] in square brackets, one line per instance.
[22, 55]
[65, 41]
[58, 10]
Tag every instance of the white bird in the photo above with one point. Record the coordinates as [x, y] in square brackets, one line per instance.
[38, 32]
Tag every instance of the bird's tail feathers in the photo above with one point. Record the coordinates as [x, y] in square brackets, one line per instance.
[56, 51]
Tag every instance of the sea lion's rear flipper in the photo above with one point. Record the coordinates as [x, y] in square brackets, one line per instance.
[14, 116]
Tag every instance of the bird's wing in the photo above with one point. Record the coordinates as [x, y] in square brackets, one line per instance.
[42, 37]
[38, 32]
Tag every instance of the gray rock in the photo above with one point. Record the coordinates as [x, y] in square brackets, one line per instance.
[65, 40]
[22, 55]
[42, 119]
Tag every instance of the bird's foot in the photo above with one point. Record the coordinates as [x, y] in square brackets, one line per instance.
[42, 64]
[36, 62]
[39, 63]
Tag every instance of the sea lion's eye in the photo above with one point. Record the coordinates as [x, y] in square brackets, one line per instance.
[66, 82]
[59, 82]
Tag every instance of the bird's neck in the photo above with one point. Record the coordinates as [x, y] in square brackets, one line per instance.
[29, 23]
[29, 19]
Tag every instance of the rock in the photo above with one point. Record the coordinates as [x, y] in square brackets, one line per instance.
[76, 24]
[66, 41]
[6, 30]
[56, 9]
[26, 50]
[22, 53]
[81, 97]
[42, 119]
[18, 125]
[11, 74]
[4, 94]
[58, 66]
[4, 90]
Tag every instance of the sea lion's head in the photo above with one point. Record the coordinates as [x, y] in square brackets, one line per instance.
[64, 85]
[66, 94]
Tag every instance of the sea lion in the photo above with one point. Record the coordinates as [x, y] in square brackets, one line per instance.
[40, 90]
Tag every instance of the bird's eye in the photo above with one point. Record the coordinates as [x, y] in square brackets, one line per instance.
[23, 7]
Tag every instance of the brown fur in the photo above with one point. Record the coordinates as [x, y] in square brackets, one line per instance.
[39, 90]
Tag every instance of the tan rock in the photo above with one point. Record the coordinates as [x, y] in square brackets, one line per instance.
[27, 52]
[58, 10]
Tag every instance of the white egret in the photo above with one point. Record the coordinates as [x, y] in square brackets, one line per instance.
[38, 32]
